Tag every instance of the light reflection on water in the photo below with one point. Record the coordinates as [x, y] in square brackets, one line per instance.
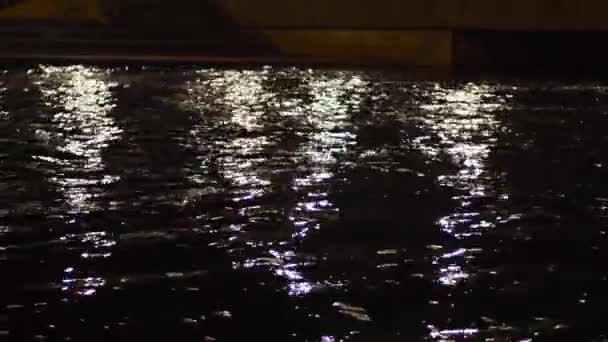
[319, 116]
[81, 130]
[82, 99]
[333, 204]
[3, 112]
[328, 117]
[464, 126]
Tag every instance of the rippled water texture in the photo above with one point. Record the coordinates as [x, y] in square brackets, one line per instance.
[288, 204]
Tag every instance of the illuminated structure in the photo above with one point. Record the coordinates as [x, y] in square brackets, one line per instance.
[413, 32]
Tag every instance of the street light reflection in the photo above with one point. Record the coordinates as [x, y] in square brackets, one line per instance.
[82, 131]
[463, 123]
[315, 122]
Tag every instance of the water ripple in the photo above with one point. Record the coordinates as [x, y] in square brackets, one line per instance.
[198, 204]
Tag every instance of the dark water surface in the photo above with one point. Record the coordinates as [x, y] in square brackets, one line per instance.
[185, 204]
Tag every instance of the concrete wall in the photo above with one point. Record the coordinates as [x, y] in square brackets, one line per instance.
[559, 15]
[563, 15]
[52, 9]
[405, 32]
[353, 47]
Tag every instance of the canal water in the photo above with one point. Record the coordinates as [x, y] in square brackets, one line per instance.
[288, 204]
